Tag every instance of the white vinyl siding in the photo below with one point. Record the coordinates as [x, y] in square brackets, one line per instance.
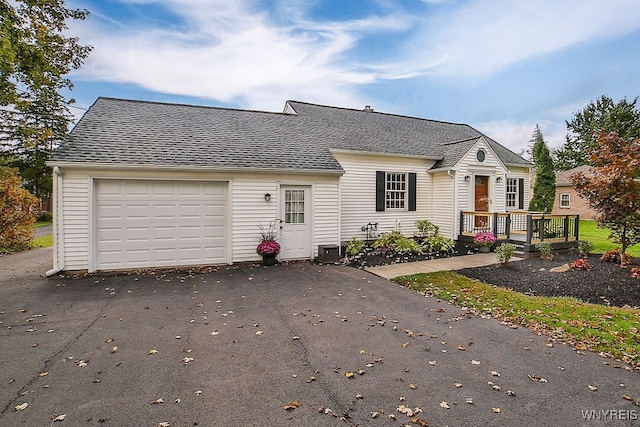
[246, 208]
[443, 213]
[358, 193]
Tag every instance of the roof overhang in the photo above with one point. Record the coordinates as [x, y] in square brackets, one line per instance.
[383, 154]
[197, 169]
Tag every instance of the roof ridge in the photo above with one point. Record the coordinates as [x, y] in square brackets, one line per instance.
[382, 113]
[180, 104]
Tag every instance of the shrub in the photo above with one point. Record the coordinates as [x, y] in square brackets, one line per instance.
[545, 250]
[504, 252]
[17, 212]
[635, 272]
[438, 244]
[585, 247]
[426, 228]
[581, 264]
[611, 256]
[398, 242]
[355, 246]
[44, 217]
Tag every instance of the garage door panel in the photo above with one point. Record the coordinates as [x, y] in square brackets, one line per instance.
[159, 223]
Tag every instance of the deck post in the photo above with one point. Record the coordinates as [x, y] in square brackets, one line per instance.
[566, 228]
[461, 223]
[577, 227]
[507, 226]
[529, 228]
[495, 224]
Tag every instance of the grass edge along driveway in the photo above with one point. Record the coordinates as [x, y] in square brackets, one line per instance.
[609, 331]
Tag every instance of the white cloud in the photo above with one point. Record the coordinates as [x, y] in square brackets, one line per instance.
[516, 135]
[483, 36]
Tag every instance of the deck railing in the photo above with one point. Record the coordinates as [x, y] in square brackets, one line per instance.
[529, 228]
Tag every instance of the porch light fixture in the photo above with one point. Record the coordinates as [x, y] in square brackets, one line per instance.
[499, 179]
[467, 178]
[267, 197]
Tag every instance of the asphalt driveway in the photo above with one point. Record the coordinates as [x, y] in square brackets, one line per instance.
[235, 346]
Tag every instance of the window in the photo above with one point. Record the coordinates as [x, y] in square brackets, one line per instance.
[396, 193]
[294, 206]
[514, 197]
[512, 193]
[481, 155]
[565, 200]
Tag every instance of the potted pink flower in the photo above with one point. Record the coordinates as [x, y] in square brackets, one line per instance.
[484, 240]
[268, 247]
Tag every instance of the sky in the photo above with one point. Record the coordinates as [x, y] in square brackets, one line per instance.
[501, 66]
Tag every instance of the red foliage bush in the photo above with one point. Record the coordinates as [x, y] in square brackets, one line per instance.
[581, 264]
[635, 272]
[611, 256]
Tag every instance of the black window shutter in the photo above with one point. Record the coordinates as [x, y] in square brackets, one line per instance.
[521, 193]
[412, 191]
[380, 190]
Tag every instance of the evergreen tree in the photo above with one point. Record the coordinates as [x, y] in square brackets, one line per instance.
[602, 114]
[35, 57]
[544, 187]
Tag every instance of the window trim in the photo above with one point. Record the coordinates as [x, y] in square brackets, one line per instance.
[562, 200]
[399, 186]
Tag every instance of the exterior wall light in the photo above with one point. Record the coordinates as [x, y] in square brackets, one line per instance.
[499, 179]
[467, 178]
[267, 197]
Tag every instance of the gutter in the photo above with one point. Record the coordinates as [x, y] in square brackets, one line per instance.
[57, 226]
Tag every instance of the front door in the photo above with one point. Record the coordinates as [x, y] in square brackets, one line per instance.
[295, 225]
[481, 195]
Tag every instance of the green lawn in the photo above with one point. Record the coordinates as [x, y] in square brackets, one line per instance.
[42, 242]
[41, 224]
[600, 238]
[609, 330]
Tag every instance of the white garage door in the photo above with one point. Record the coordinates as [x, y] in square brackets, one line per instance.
[145, 223]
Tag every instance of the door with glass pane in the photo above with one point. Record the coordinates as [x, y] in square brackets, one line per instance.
[295, 225]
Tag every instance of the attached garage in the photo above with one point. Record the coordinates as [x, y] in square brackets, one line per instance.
[158, 223]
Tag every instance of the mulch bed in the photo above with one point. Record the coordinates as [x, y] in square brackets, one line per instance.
[606, 283]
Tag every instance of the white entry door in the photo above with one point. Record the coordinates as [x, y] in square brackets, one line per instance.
[295, 227]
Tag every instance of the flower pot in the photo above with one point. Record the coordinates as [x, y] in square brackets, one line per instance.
[484, 249]
[269, 259]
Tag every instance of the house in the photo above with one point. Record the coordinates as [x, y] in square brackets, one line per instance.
[567, 198]
[145, 184]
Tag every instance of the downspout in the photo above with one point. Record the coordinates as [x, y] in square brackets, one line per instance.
[58, 229]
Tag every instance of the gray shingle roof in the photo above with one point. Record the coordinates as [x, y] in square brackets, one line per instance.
[117, 131]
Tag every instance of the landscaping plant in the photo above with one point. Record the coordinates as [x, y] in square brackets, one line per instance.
[426, 228]
[17, 212]
[438, 244]
[545, 250]
[581, 264]
[398, 242]
[585, 247]
[613, 188]
[484, 238]
[504, 252]
[355, 246]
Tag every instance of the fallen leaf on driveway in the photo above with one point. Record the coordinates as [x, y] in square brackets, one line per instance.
[43, 374]
[187, 360]
[413, 386]
[60, 418]
[310, 379]
[475, 362]
[445, 405]
[495, 374]
[21, 407]
[110, 340]
[215, 333]
[496, 410]
[198, 392]
[457, 385]
[114, 349]
[405, 410]
[165, 424]
[157, 402]
[462, 348]
[593, 388]
[419, 421]
[348, 374]
[152, 351]
[291, 405]
[534, 377]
